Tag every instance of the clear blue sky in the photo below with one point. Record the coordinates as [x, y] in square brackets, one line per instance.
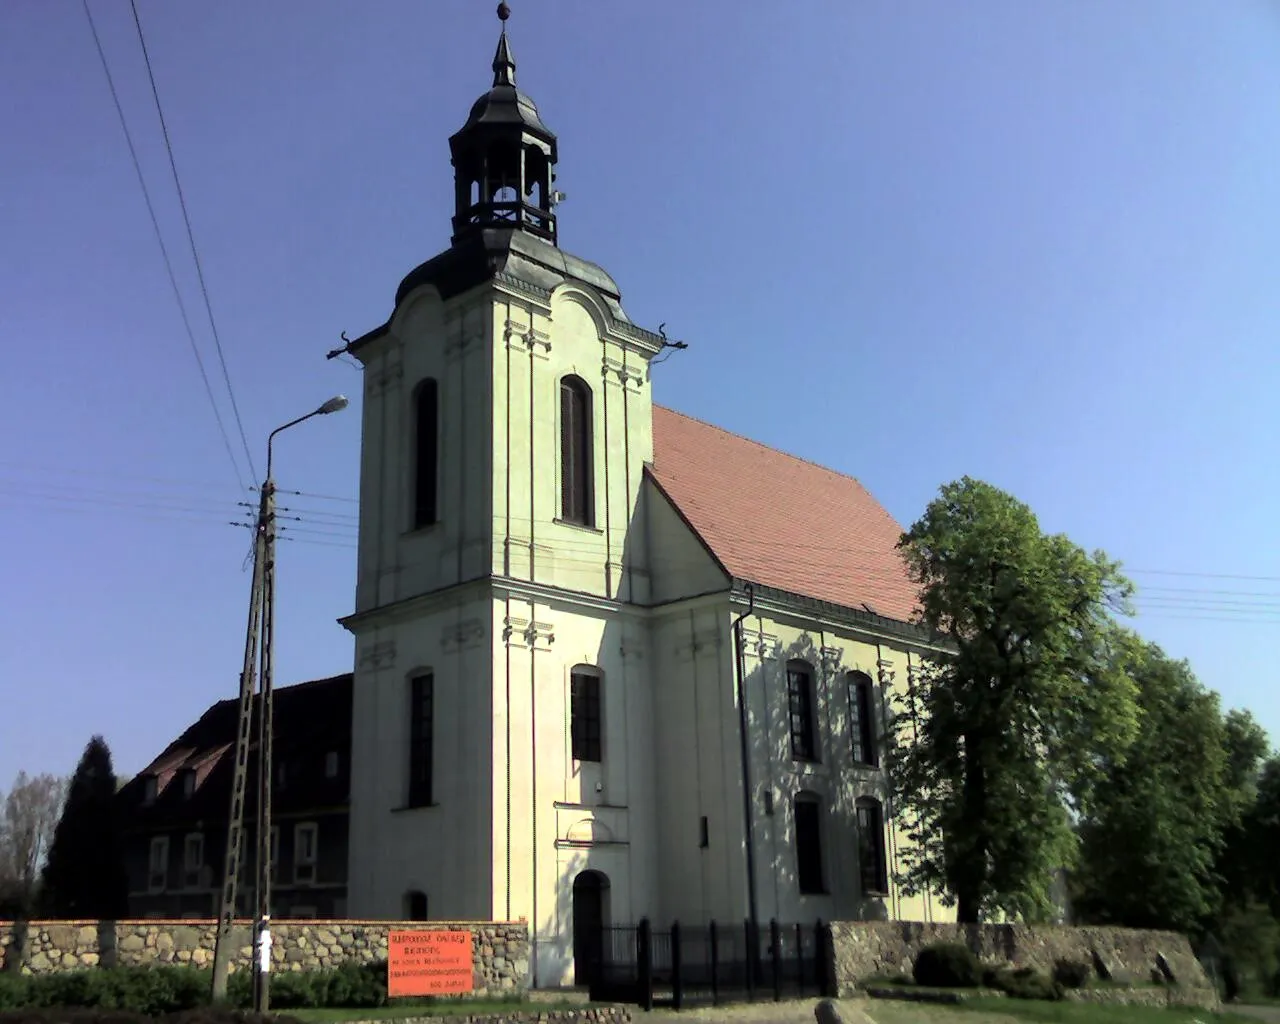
[1034, 243]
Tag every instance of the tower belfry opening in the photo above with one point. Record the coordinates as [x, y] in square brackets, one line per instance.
[504, 158]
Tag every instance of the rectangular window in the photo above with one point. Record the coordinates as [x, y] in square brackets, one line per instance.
[704, 834]
[304, 852]
[158, 864]
[188, 783]
[871, 860]
[575, 452]
[862, 721]
[427, 453]
[808, 846]
[421, 748]
[331, 765]
[800, 707]
[193, 853]
[584, 716]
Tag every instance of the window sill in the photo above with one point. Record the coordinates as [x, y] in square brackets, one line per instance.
[875, 894]
[815, 892]
[413, 807]
[419, 531]
[583, 527]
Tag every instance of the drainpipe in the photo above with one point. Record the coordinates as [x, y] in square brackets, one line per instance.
[741, 665]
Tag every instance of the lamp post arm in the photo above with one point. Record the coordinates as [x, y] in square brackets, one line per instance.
[272, 436]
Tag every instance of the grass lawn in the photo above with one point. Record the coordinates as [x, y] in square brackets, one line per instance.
[998, 1011]
[442, 1008]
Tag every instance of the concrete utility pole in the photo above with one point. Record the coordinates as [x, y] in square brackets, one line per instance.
[258, 646]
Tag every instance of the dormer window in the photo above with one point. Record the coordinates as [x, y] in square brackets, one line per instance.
[150, 787]
[188, 783]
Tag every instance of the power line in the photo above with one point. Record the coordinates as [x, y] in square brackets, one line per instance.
[164, 251]
[195, 255]
[1202, 575]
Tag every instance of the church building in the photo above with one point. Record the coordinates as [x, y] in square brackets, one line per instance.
[612, 662]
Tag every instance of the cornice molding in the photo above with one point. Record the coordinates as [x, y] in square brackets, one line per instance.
[863, 625]
[412, 607]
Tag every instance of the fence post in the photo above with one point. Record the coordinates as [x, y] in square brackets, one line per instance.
[644, 963]
[748, 960]
[676, 987]
[799, 958]
[825, 946]
[775, 950]
[715, 963]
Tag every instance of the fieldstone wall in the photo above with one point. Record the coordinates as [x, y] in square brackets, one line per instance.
[587, 1015]
[500, 962]
[866, 949]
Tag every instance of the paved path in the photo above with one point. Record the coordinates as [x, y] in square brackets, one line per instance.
[1267, 1014]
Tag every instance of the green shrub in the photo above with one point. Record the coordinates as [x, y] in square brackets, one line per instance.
[1072, 973]
[154, 991]
[947, 965]
[85, 1015]
[358, 985]
[15, 991]
[1023, 983]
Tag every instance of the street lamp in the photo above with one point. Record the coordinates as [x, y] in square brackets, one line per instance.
[261, 622]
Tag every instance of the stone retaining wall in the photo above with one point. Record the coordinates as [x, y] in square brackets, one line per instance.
[865, 949]
[592, 1015]
[500, 961]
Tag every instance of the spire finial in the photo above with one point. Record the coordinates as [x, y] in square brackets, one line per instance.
[504, 65]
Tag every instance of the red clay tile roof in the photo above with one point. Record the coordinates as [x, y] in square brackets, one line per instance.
[779, 521]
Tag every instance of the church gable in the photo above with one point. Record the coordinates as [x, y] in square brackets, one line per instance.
[681, 565]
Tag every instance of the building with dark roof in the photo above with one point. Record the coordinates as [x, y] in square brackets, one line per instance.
[175, 811]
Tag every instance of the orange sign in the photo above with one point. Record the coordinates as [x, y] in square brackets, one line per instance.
[429, 963]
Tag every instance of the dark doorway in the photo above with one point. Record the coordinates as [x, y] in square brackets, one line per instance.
[590, 914]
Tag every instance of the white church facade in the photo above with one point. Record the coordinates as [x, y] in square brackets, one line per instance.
[611, 662]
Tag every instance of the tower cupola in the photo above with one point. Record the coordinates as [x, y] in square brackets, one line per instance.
[504, 158]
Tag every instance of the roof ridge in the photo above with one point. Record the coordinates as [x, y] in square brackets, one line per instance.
[766, 447]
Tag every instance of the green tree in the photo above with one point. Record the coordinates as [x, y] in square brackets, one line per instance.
[1012, 728]
[1151, 839]
[84, 875]
[1247, 865]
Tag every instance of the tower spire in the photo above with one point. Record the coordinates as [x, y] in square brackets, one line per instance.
[504, 65]
[504, 159]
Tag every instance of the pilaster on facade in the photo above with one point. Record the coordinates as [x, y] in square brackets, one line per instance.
[528, 634]
[699, 642]
[766, 647]
[623, 375]
[527, 338]
[832, 659]
[462, 636]
[379, 656]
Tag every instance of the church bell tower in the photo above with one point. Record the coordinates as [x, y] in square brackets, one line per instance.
[506, 428]
[504, 158]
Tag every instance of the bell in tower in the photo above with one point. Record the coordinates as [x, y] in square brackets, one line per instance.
[504, 158]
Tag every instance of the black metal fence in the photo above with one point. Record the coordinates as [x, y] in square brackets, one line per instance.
[685, 965]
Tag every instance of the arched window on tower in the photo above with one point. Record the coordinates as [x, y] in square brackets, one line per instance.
[585, 723]
[426, 412]
[576, 476]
